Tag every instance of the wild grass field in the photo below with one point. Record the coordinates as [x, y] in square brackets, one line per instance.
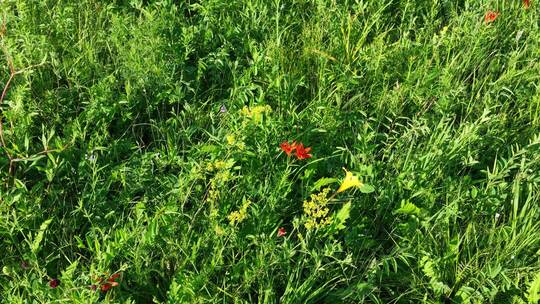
[270, 151]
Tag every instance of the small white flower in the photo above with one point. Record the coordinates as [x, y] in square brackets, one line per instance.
[497, 215]
[518, 35]
[90, 157]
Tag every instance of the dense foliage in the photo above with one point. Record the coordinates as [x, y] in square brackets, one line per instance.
[140, 158]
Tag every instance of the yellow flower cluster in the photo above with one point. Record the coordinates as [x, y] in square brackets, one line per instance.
[219, 165]
[239, 216]
[213, 194]
[317, 211]
[256, 113]
[222, 175]
[234, 142]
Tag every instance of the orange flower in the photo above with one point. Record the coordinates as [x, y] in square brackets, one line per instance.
[526, 3]
[301, 152]
[490, 16]
[288, 148]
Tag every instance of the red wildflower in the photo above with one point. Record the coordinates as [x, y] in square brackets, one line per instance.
[301, 152]
[491, 16]
[526, 3]
[113, 277]
[108, 286]
[110, 282]
[288, 148]
[53, 283]
[105, 287]
[281, 232]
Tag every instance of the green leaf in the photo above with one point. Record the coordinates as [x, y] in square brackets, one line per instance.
[342, 215]
[364, 288]
[6, 270]
[464, 293]
[533, 294]
[323, 182]
[39, 236]
[365, 188]
[408, 208]
[428, 267]
[208, 148]
[474, 192]
[67, 275]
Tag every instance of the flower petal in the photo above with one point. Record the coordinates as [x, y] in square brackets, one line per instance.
[349, 181]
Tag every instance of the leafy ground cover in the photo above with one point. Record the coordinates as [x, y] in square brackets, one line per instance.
[257, 151]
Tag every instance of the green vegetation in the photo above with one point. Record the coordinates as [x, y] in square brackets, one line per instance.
[140, 158]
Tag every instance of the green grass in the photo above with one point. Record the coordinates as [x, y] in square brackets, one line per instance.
[117, 159]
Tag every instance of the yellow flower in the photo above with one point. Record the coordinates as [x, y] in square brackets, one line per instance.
[239, 216]
[350, 181]
[234, 142]
[256, 113]
[218, 230]
[231, 139]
